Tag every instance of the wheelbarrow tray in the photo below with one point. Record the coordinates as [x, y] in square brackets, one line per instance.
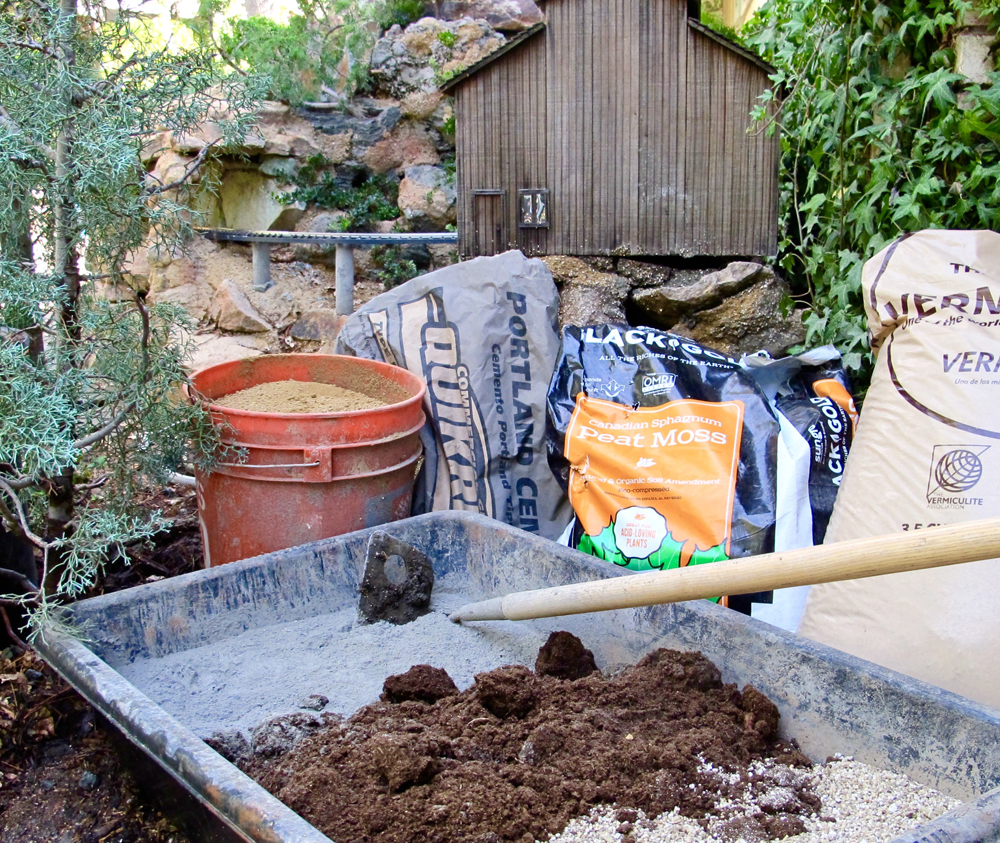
[830, 702]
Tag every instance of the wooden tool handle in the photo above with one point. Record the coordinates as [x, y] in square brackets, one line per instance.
[930, 548]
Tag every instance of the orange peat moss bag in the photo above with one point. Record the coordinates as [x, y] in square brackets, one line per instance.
[667, 449]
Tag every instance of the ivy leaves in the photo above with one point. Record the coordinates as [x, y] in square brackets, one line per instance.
[879, 137]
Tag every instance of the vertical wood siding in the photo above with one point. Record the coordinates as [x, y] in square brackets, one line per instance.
[501, 142]
[635, 123]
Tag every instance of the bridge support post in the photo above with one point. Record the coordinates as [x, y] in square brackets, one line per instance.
[262, 266]
[344, 288]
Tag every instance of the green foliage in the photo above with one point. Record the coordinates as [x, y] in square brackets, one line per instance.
[448, 127]
[450, 165]
[401, 13]
[325, 46]
[373, 200]
[879, 137]
[714, 20]
[89, 405]
[449, 39]
[391, 268]
[441, 75]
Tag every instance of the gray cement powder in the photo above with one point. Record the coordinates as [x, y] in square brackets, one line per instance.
[237, 683]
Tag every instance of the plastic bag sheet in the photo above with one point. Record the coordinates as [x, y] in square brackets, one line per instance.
[811, 396]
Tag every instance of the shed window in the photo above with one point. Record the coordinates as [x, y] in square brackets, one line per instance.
[534, 211]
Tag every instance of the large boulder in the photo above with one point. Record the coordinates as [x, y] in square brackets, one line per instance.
[178, 280]
[427, 197]
[408, 145]
[587, 296]
[249, 202]
[320, 326]
[366, 123]
[420, 105]
[417, 58]
[749, 321]
[667, 303]
[233, 311]
[503, 15]
[210, 349]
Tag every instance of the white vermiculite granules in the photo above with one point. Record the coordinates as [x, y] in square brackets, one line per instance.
[860, 804]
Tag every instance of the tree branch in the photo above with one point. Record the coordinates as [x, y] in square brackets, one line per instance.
[20, 579]
[19, 525]
[32, 45]
[122, 414]
[107, 430]
[15, 129]
[228, 59]
[21, 482]
[188, 172]
[140, 303]
[10, 631]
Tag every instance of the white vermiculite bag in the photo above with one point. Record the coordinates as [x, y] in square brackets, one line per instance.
[927, 452]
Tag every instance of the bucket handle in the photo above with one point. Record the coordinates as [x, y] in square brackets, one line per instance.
[269, 465]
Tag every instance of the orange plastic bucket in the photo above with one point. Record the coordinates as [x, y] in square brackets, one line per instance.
[307, 476]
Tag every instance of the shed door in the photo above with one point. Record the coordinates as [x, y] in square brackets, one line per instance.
[489, 214]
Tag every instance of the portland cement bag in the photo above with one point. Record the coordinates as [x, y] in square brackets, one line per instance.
[482, 334]
[927, 452]
[668, 449]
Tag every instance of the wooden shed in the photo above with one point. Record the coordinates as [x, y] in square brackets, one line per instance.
[616, 127]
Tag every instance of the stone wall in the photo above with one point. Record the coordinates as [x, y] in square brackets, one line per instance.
[741, 308]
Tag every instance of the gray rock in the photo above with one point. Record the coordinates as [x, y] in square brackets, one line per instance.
[332, 123]
[586, 295]
[279, 165]
[318, 326]
[427, 197]
[748, 322]
[407, 61]
[233, 746]
[88, 780]
[368, 129]
[231, 310]
[397, 583]
[278, 736]
[643, 274]
[426, 175]
[668, 303]
[382, 52]
[315, 702]
[503, 15]
[328, 221]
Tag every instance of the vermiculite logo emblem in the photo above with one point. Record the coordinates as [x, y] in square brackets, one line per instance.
[955, 469]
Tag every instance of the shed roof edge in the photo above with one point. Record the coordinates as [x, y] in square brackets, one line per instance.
[523, 36]
[749, 55]
[511, 44]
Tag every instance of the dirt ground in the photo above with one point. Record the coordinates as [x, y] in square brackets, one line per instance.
[61, 780]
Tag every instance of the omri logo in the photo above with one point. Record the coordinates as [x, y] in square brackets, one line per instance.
[655, 384]
[955, 469]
